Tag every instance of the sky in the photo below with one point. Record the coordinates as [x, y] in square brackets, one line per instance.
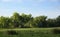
[50, 8]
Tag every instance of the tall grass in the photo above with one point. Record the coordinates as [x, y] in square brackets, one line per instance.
[29, 32]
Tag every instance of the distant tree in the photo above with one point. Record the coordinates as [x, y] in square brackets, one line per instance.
[4, 22]
[51, 23]
[41, 21]
[16, 19]
[27, 21]
[25, 18]
[30, 23]
[58, 21]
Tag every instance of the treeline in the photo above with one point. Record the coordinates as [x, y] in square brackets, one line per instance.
[27, 21]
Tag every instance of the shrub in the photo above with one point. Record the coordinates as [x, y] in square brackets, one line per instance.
[56, 31]
[12, 32]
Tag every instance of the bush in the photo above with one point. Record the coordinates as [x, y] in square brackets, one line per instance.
[56, 31]
[12, 32]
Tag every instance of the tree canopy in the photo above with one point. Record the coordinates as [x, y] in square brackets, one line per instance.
[27, 21]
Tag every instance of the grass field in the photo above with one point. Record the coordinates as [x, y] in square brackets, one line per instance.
[29, 32]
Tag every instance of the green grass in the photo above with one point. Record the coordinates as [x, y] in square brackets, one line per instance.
[29, 32]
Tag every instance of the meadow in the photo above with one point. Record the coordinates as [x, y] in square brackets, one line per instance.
[29, 32]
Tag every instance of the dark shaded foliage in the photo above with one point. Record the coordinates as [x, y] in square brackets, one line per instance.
[12, 32]
[56, 31]
[27, 21]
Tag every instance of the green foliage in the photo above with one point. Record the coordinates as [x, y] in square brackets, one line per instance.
[4, 22]
[11, 32]
[58, 21]
[27, 21]
[56, 31]
[51, 23]
[29, 32]
[40, 21]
